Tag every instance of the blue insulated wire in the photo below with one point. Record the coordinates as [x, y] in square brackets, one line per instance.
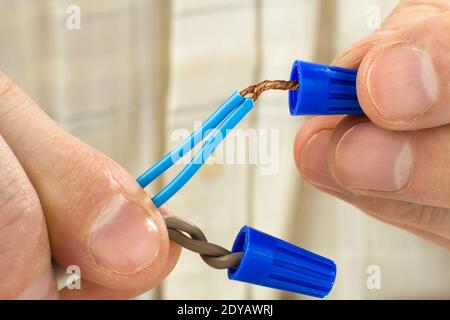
[190, 142]
[207, 149]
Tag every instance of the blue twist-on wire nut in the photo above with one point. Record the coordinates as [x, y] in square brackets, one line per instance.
[323, 90]
[271, 262]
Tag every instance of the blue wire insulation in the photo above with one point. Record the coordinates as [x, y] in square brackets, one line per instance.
[190, 142]
[207, 149]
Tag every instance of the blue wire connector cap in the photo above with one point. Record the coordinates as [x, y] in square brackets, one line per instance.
[323, 90]
[271, 262]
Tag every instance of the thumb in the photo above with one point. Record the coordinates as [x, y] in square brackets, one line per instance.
[98, 217]
[403, 82]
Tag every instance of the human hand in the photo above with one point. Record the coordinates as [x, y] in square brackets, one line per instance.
[395, 164]
[61, 199]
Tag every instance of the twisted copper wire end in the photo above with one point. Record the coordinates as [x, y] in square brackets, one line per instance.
[259, 88]
[213, 254]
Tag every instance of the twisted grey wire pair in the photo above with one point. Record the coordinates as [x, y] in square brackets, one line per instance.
[214, 255]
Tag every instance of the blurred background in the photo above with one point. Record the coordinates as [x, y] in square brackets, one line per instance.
[135, 71]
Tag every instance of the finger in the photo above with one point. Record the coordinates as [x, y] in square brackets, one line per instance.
[403, 82]
[98, 216]
[410, 166]
[432, 223]
[407, 14]
[25, 263]
[314, 136]
[423, 221]
[441, 241]
[92, 291]
[310, 128]
[411, 12]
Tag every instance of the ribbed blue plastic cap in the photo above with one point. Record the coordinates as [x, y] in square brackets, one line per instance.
[271, 262]
[323, 90]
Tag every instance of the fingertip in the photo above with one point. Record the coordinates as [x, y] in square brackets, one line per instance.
[364, 92]
[397, 85]
[88, 290]
[126, 237]
[123, 245]
[312, 150]
[130, 244]
[308, 130]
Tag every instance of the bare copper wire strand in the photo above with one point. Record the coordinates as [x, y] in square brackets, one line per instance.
[265, 85]
[213, 254]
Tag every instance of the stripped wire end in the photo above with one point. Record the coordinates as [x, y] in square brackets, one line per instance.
[256, 89]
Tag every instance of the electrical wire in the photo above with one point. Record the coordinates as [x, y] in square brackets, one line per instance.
[265, 85]
[226, 117]
[222, 121]
[213, 254]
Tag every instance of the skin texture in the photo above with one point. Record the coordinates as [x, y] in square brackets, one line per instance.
[393, 164]
[60, 199]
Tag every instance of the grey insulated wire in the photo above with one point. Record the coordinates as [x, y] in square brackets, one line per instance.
[213, 254]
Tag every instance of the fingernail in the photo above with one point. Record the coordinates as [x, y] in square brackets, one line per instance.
[124, 239]
[402, 82]
[44, 288]
[314, 162]
[368, 157]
